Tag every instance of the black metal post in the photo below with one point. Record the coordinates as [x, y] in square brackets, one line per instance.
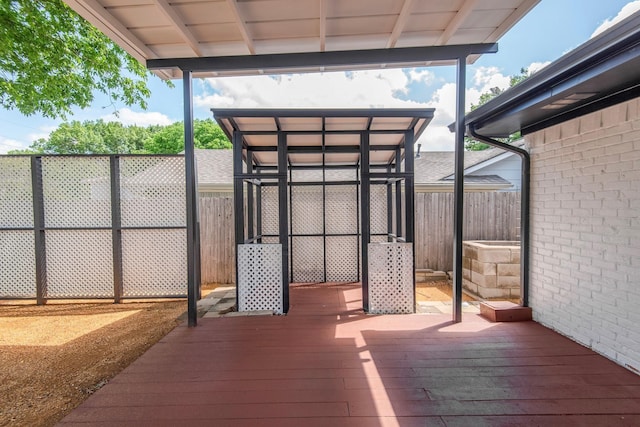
[238, 203]
[458, 190]
[409, 222]
[283, 220]
[38, 229]
[399, 193]
[250, 194]
[190, 176]
[389, 187]
[259, 213]
[116, 228]
[365, 211]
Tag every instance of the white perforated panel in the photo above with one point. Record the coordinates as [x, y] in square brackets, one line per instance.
[391, 289]
[306, 207]
[342, 258]
[75, 191]
[270, 216]
[79, 263]
[341, 209]
[260, 277]
[154, 263]
[307, 259]
[152, 191]
[16, 200]
[378, 209]
[17, 264]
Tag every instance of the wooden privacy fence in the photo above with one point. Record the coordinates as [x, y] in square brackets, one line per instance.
[488, 216]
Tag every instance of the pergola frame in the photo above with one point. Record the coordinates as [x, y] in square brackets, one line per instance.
[273, 63]
[366, 172]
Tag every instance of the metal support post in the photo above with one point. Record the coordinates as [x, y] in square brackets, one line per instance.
[458, 212]
[190, 176]
[238, 202]
[116, 228]
[365, 211]
[38, 228]
[284, 220]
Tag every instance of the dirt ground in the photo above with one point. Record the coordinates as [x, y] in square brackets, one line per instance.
[53, 357]
[437, 291]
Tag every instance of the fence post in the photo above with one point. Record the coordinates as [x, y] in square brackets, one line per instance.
[116, 227]
[38, 229]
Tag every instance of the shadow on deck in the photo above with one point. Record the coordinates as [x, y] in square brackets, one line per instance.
[328, 364]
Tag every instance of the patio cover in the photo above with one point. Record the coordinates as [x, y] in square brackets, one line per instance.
[168, 29]
[197, 38]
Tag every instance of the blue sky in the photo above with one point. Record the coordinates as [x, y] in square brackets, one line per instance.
[550, 30]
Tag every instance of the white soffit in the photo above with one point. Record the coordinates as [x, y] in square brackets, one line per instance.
[164, 29]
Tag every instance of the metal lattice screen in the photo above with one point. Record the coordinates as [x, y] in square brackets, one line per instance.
[66, 212]
[17, 255]
[260, 277]
[391, 278]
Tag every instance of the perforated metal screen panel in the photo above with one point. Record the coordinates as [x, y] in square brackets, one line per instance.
[342, 258]
[152, 192]
[270, 212]
[76, 192]
[16, 198]
[79, 264]
[260, 277]
[308, 258]
[153, 263]
[378, 209]
[341, 209]
[306, 210]
[18, 264]
[391, 278]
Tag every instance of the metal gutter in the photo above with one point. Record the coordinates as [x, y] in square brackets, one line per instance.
[524, 208]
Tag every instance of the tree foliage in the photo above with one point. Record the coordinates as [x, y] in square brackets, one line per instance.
[100, 137]
[51, 59]
[472, 144]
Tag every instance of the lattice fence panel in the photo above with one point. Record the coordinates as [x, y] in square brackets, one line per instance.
[306, 210]
[16, 198]
[391, 278]
[378, 209]
[79, 264]
[340, 175]
[341, 209]
[154, 263]
[307, 259]
[342, 258]
[17, 264]
[260, 277]
[270, 210]
[306, 175]
[152, 191]
[76, 191]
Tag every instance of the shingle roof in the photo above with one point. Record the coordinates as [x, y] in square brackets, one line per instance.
[215, 167]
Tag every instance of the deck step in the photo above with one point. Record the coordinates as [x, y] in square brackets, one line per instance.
[504, 311]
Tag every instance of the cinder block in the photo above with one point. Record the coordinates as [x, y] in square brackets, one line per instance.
[515, 256]
[508, 281]
[466, 273]
[493, 292]
[486, 268]
[470, 286]
[483, 280]
[469, 251]
[495, 255]
[508, 270]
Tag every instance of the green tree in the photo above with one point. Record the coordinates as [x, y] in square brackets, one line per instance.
[51, 59]
[92, 137]
[206, 134]
[472, 144]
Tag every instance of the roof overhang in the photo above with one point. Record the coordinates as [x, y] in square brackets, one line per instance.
[599, 73]
[323, 137]
[214, 32]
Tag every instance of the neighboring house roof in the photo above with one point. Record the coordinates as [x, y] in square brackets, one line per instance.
[433, 170]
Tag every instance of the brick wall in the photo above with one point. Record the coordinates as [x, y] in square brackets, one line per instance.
[585, 230]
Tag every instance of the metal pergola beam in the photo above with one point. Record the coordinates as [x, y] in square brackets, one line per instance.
[299, 61]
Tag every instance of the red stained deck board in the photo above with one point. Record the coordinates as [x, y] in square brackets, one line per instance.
[327, 363]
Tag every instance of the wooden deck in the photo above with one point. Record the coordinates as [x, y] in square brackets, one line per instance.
[328, 364]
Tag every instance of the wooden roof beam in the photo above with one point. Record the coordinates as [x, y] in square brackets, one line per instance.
[242, 26]
[456, 22]
[178, 23]
[398, 28]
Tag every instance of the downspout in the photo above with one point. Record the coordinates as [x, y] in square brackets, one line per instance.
[524, 207]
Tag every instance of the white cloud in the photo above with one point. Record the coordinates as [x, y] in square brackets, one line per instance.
[127, 117]
[7, 144]
[42, 132]
[627, 10]
[534, 67]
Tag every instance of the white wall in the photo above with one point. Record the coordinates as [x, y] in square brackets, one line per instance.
[585, 230]
[507, 168]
